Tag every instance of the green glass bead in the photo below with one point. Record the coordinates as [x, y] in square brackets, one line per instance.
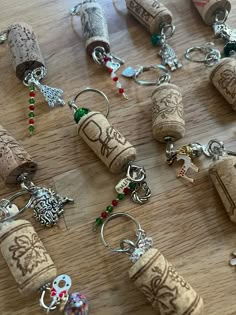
[32, 88]
[132, 186]
[230, 49]
[110, 209]
[120, 196]
[31, 114]
[31, 129]
[99, 221]
[80, 113]
[31, 101]
[156, 40]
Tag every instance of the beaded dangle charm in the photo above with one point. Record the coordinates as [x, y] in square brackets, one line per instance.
[113, 150]
[71, 304]
[153, 275]
[96, 36]
[29, 66]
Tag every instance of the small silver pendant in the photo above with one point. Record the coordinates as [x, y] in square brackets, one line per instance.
[169, 57]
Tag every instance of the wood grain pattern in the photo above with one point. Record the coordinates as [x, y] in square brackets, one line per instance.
[187, 222]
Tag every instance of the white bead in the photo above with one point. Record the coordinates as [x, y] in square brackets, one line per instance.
[118, 85]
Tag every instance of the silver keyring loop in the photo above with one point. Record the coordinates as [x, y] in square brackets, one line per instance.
[118, 215]
[162, 79]
[19, 194]
[74, 107]
[211, 55]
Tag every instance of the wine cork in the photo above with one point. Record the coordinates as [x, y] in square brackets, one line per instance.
[109, 145]
[167, 112]
[24, 47]
[14, 160]
[150, 13]
[26, 257]
[209, 8]
[164, 288]
[223, 78]
[223, 176]
[94, 26]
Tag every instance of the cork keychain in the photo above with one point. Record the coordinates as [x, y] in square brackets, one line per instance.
[113, 150]
[157, 19]
[223, 72]
[215, 13]
[29, 66]
[18, 167]
[30, 264]
[97, 44]
[153, 275]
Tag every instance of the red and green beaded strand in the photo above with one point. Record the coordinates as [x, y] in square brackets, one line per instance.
[113, 204]
[31, 108]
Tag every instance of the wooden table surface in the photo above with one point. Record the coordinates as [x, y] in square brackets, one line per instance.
[188, 222]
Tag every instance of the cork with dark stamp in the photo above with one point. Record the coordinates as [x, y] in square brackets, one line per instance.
[163, 287]
[223, 176]
[24, 47]
[26, 256]
[14, 160]
[167, 112]
[94, 26]
[110, 146]
[223, 77]
[150, 13]
[209, 8]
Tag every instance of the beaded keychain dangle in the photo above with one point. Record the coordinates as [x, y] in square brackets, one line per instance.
[113, 150]
[153, 275]
[17, 167]
[157, 19]
[215, 13]
[96, 36]
[18, 243]
[29, 66]
[223, 73]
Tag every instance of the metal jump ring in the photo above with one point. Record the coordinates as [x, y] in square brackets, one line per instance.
[165, 28]
[162, 79]
[225, 15]
[120, 249]
[98, 54]
[88, 89]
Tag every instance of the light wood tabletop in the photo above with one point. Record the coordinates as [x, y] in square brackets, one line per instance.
[187, 222]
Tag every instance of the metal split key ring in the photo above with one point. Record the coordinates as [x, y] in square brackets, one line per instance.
[131, 244]
[74, 107]
[165, 77]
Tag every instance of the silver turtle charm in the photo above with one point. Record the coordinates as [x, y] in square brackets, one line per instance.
[47, 205]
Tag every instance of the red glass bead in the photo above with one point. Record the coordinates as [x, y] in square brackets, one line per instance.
[115, 79]
[110, 70]
[31, 121]
[104, 215]
[114, 203]
[126, 190]
[106, 59]
[31, 107]
[121, 91]
[32, 94]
